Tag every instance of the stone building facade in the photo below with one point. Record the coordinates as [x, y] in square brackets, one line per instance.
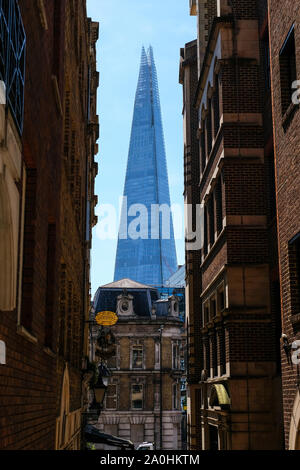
[142, 401]
[233, 303]
[47, 201]
[285, 70]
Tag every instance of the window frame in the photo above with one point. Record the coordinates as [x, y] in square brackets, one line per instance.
[294, 272]
[176, 356]
[286, 81]
[113, 397]
[131, 396]
[175, 404]
[141, 348]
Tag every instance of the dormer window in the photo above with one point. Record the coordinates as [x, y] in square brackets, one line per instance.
[125, 304]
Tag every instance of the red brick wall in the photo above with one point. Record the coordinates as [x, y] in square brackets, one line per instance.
[250, 327]
[287, 150]
[31, 382]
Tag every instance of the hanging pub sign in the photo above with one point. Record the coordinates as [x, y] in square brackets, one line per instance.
[106, 318]
[105, 344]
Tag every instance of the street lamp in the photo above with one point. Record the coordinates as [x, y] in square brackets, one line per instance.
[101, 386]
[104, 373]
[99, 392]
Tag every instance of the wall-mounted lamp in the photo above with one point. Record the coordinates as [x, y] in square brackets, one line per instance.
[101, 386]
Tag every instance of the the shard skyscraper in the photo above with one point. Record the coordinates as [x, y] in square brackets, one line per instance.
[149, 258]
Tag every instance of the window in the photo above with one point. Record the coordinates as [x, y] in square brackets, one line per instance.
[221, 299]
[219, 205]
[213, 308]
[288, 72]
[216, 106]
[209, 129]
[62, 309]
[26, 317]
[175, 356]
[207, 357]
[137, 357]
[205, 247]
[157, 355]
[175, 396]
[125, 306]
[222, 347]
[137, 398]
[213, 438]
[211, 210]
[203, 149]
[69, 329]
[111, 397]
[214, 355]
[294, 267]
[12, 58]
[205, 313]
[50, 291]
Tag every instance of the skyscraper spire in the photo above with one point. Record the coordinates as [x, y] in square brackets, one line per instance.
[150, 257]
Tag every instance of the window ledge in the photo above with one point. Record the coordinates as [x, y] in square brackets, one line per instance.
[25, 333]
[211, 248]
[50, 352]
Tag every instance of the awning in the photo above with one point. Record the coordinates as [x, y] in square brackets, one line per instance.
[94, 436]
[219, 396]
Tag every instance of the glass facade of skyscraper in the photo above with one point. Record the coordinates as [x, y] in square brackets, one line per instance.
[149, 256]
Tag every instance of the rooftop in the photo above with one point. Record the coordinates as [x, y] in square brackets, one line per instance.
[126, 284]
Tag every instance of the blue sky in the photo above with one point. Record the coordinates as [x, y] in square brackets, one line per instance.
[125, 26]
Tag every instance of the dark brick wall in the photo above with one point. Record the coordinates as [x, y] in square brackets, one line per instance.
[54, 232]
[287, 150]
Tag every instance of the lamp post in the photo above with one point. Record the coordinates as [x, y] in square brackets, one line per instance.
[99, 390]
[99, 393]
[101, 386]
[160, 389]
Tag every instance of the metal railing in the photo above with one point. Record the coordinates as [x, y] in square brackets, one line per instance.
[12, 58]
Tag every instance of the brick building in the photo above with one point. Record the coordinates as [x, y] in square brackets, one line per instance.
[285, 69]
[143, 397]
[188, 78]
[233, 303]
[47, 201]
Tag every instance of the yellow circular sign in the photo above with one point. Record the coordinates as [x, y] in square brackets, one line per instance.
[106, 318]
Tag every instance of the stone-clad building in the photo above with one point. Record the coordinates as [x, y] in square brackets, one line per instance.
[47, 201]
[188, 78]
[142, 401]
[284, 30]
[233, 304]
